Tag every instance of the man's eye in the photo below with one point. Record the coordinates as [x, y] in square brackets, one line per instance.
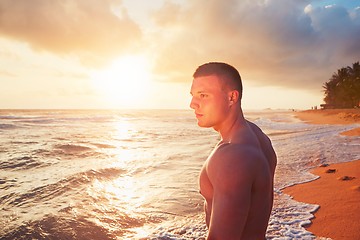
[203, 95]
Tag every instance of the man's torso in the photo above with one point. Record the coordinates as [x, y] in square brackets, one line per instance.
[262, 183]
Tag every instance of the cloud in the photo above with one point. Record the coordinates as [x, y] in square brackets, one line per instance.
[339, 31]
[6, 74]
[272, 42]
[289, 43]
[92, 29]
[72, 75]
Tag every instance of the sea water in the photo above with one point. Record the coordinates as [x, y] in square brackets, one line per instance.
[133, 174]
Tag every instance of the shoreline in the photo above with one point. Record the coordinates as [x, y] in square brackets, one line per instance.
[337, 190]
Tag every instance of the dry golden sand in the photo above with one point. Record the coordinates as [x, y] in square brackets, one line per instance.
[337, 192]
[332, 116]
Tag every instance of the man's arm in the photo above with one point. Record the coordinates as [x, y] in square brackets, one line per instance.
[231, 172]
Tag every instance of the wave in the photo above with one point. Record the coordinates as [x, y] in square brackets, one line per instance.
[68, 148]
[103, 145]
[24, 142]
[11, 117]
[86, 119]
[279, 133]
[289, 218]
[59, 227]
[21, 163]
[67, 198]
[5, 183]
[6, 126]
[37, 121]
[50, 191]
[77, 151]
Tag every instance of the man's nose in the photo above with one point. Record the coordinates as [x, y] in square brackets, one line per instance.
[193, 103]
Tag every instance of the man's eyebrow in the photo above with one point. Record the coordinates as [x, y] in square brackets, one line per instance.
[198, 92]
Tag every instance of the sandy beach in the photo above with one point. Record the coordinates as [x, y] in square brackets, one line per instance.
[332, 116]
[337, 190]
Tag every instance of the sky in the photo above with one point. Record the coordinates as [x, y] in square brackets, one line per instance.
[74, 54]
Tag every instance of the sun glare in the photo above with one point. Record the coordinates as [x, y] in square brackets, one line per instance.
[125, 82]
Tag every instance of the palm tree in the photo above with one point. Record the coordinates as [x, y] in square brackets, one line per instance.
[343, 88]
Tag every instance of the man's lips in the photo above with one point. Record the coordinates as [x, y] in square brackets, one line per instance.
[198, 115]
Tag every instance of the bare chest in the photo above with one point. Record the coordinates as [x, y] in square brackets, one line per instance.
[206, 188]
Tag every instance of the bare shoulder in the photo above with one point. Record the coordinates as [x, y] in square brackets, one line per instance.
[261, 136]
[233, 163]
[235, 152]
[266, 145]
[258, 132]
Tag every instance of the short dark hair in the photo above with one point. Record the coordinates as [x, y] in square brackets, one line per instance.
[228, 74]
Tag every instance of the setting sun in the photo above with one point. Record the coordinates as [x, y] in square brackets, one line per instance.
[125, 82]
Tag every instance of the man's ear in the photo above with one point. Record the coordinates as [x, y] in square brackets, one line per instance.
[233, 96]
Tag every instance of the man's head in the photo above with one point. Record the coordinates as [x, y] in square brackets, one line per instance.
[227, 74]
[216, 94]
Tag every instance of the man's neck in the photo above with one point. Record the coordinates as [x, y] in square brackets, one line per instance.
[235, 121]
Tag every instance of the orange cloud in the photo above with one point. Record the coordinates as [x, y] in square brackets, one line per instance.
[87, 28]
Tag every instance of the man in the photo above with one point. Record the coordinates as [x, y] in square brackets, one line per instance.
[237, 178]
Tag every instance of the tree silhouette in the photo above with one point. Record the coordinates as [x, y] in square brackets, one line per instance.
[343, 88]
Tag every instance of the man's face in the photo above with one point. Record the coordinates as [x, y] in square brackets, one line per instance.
[209, 101]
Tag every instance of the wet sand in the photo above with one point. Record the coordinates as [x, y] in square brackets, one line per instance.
[337, 190]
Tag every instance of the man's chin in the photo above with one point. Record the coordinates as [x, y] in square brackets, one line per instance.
[203, 125]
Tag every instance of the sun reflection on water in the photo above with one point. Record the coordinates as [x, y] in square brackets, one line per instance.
[123, 129]
[123, 134]
[118, 205]
[124, 201]
[120, 192]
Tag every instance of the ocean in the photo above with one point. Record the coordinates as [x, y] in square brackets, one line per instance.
[133, 174]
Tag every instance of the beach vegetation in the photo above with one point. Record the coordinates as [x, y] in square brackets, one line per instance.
[343, 88]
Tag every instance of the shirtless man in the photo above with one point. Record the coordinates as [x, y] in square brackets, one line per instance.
[237, 178]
